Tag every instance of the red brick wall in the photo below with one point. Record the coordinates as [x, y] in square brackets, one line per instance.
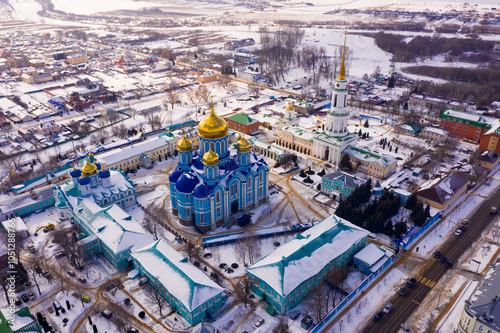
[246, 129]
[462, 131]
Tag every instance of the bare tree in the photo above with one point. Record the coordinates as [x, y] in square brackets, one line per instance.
[172, 98]
[243, 290]
[317, 303]
[4, 282]
[155, 120]
[203, 94]
[224, 81]
[254, 88]
[192, 95]
[282, 327]
[155, 298]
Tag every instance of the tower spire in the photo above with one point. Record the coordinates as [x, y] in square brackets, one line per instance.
[342, 65]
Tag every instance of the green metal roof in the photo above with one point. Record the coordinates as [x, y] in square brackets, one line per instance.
[241, 118]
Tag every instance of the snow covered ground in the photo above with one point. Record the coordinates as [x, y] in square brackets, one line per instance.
[450, 321]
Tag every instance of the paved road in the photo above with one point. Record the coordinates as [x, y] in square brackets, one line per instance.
[434, 270]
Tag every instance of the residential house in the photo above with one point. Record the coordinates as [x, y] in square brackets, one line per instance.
[434, 105]
[489, 140]
[27, 203]
[207, 77]
[408, 129]
[371, 258]
[186, 288]
[434, 134]
[241, 122]
[339, 185]
[488, 159]
[472, 172]
[17, 226]
[3, 119]
[235, 44]
[284, 277]
[250, 74]
[49, 128]
[371, 163]
[441, 193]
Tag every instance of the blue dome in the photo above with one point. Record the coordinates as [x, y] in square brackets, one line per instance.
[104, 174]
[201, 191]
[77, 173]
[84, 181]
[187, 182]
[175, 175]
[98, 165]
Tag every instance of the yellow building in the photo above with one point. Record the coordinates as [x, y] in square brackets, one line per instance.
[442, 193]
[371, 163]
[207, 77]
[76, 59]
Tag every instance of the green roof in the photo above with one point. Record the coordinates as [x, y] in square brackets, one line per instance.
[465, 117]
[241, 118]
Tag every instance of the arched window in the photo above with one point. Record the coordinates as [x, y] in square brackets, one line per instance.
[260, 177]
[121, 195]
[217, 197]
[223, 146]
[249, 182]
[335, 101]
[212, 146]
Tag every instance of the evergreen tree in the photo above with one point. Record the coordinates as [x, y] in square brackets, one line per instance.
[390, 84]
[302, 174]
[345, 163]
[360, 133]
[381, 141]
[405, 106]
[388, 228]
[400, 229]
[318, 187]
[411, 201]
[363, 136]
[396, 150]
[390, 148]
[427, 211]
[366, 124]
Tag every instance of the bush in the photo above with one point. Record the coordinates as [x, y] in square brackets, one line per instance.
[302, 174]
[308, 180]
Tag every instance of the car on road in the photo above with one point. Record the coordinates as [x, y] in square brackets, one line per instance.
[71, 273]
[465, 221]
[132, 330]
[82, 280]
[259, 322]
[463, 228]
[294, 314]
[411, 282]
[437, 254]
[449, 264]
[443, 259]
[25, 298]
[32, 295]
[378, 316]
[403, 291]
[388, 308]
[60, 254]
[86, 298]
[458, 232]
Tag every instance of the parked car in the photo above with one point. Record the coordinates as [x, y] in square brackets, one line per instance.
[57, 305]
[110, 286]
[143, 280]
[294, 314]
[46, 274]
[60, 254]
[463, 228]
[403, 291]
[38, 269]
[458, 232]
[378, 316]
[443, 259]
[86, 298]
[259, 322]
[82, 280]
[405, 328]
[32, 295]
[437, 254]
[107, 314]
[411, 282]
[387, 308]
[449, 264]
[71, 273]
[132, 330]
[465, 221]
[25, 298]
[17, 301]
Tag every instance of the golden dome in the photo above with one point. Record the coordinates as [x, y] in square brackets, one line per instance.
[210, 158]
[238, 138]
[212, 127]
[243, 146]
[289, 107]
[184, 144]
[88, 169]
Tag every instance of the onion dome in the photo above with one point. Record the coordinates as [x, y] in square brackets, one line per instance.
[289, 107]
[104, 173]
[211, 158]
[184, 144]
[201, 191]
[89, 169]
[186, 183]
[238, 138]
[75, 173]
[243, 146]
[213, 127]
[84, 180]
[91, 158]
[98, 166]
[175, 175]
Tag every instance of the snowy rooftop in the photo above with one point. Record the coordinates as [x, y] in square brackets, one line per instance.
[370, 254]
[116, 155]
[442, 190]
[307, 254]
[300, 132]
[484, 299]
[115, 228]
[19, 225]
[369, 156]
[183, 280]
[25, 199]
[435, 130]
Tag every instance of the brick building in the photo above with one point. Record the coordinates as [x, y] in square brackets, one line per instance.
[243, 123]
[464, 125]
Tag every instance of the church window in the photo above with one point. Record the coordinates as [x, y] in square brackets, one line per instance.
[223, 147]
[260, 177]
[249, 182]
[217, 197]
[187, 196]
[236, 188]
[335, 101]
[212, 146]
[188, 212]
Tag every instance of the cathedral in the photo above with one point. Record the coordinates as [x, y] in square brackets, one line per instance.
[329, 143]
[208, 187]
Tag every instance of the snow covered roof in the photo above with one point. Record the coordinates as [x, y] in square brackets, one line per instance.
[484, 299]
[444, 189]
[435, 130]
[114, 227]
[370, 254]
[18, 227]
[369, 156]
[120, 154]
[346, 179]
[181, 278]
[307, 254]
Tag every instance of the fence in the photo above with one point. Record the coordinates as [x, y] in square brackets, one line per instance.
[350, 297]
[405, 241]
